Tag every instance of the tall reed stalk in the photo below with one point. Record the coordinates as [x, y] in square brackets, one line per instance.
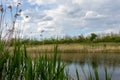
[20, 66]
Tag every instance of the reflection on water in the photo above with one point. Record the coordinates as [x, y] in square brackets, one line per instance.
[90, 62]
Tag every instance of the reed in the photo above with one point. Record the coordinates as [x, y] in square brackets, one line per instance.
[20, 66]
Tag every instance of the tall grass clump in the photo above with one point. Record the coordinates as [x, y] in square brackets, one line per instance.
[3, 57]
[19, 66]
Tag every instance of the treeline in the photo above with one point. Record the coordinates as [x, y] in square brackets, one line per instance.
[92, 38]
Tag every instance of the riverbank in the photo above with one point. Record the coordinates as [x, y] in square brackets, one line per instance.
[76, 48]
[76, 52]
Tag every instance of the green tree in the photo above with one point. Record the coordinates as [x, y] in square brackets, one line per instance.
[93, 36]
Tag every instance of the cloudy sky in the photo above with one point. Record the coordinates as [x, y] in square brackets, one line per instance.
[69, 17]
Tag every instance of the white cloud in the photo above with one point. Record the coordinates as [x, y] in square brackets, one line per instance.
[39, 2]
[73, 17]
[15, 1]
[12, 2]
[36, 22]
[93, 14]
[110, 30]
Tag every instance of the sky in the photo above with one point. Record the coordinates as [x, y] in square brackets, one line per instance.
[51, 18]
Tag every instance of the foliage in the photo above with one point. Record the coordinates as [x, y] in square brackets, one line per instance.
[20, 66]
[93, 38]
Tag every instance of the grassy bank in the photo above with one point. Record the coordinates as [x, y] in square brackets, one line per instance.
[77, 48]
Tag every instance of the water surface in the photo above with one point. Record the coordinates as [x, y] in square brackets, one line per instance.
[90, 61]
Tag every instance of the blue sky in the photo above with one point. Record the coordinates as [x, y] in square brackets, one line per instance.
[69, 17]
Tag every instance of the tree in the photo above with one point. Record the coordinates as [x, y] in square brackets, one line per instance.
[93, 36]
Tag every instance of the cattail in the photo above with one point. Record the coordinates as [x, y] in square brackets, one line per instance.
[16, 15]
[13, 22]
[40, 34]
[10, 7]
[1, 6]
[20, 10]
[26, 16]
[2, 10]
[18, 4]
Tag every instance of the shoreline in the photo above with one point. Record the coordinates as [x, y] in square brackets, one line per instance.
[76, 48]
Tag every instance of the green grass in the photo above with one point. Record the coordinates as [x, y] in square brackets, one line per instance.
[19, 66]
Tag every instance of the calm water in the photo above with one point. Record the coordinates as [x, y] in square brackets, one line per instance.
[92, 61]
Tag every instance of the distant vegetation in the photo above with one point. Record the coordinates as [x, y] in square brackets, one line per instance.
[92, 38]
